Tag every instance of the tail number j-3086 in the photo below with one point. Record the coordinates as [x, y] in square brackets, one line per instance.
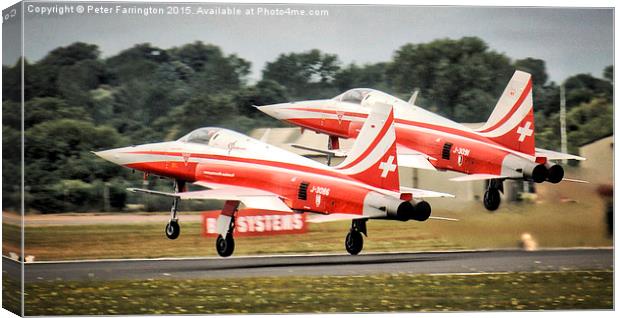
[320, 190]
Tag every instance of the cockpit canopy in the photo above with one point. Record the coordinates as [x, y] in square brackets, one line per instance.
[221, 138]
[355, 96]
[202, 135]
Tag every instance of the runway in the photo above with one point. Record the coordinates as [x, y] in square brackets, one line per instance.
[332, 264]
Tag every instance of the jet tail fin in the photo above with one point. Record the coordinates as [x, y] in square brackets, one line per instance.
[373, 158]
[511, 123]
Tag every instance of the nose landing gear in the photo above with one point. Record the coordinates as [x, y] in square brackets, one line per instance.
[173, 229]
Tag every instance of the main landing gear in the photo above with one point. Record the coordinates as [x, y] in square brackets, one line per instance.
[491, 196]
[173, 229]
[225, 246]
[225, 242]
[354, 242]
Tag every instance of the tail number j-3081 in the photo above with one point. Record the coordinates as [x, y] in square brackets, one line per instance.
[461, 151]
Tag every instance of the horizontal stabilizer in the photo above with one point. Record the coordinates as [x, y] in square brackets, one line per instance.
[335, 217]
[153, 192]
[575, 180]
[251, 198]
[478, 176]
[441, 218]
[554, 155]
[419, 193]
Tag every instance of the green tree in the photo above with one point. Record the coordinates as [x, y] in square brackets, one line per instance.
[46, 73]
[12, 114]
[536, 67]
[582, 88]
[44, 109]
[305, 75]
[369, 75]
[446, 70]
[12, 82]
[58, 150]
[137, 63]
[213, 72]
[76, 81]
[265, 92]
[589, 121]
[608, 73]
[199, 111]
[11, 168]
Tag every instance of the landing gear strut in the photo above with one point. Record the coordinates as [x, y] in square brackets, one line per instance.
[354, 242]
[225, 242]
[332, 144]
[173, 229]
[491, 196]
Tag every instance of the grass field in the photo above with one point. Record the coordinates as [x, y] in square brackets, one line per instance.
[374, 293]
[11, 292]
[552, 225]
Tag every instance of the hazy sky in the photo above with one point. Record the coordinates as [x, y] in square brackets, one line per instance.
[570, 40]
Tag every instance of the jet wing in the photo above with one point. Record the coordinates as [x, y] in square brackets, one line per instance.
[410, 158]
[251, 198]
[419, 193]
[344, 216]
[406, 157]
[333, 153]
[554, 155]
[415, 161]
[478, 176]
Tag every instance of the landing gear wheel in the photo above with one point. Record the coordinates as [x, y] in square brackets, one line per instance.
[354, 242]
[225, 246]
[492, 199]
[173, 230]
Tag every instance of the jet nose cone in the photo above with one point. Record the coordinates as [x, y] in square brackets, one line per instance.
[111, 155]
[277, 111]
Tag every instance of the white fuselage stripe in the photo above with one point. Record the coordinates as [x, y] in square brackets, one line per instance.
[316, 115]
[514, 120]
[376, 154]
[160, 158]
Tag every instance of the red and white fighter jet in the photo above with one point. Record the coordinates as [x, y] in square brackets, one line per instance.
[240, 169]
[503, 148]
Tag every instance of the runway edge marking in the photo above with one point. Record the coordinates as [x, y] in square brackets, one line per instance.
[311, 255]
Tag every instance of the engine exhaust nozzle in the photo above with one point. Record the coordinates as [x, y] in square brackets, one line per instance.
[536, 172]
[555, 174]
[411, 210]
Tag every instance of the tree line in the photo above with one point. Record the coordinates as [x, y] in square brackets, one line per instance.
[77, 101]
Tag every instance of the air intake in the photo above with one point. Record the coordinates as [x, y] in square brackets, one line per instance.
[302, 194]
[445, 152]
